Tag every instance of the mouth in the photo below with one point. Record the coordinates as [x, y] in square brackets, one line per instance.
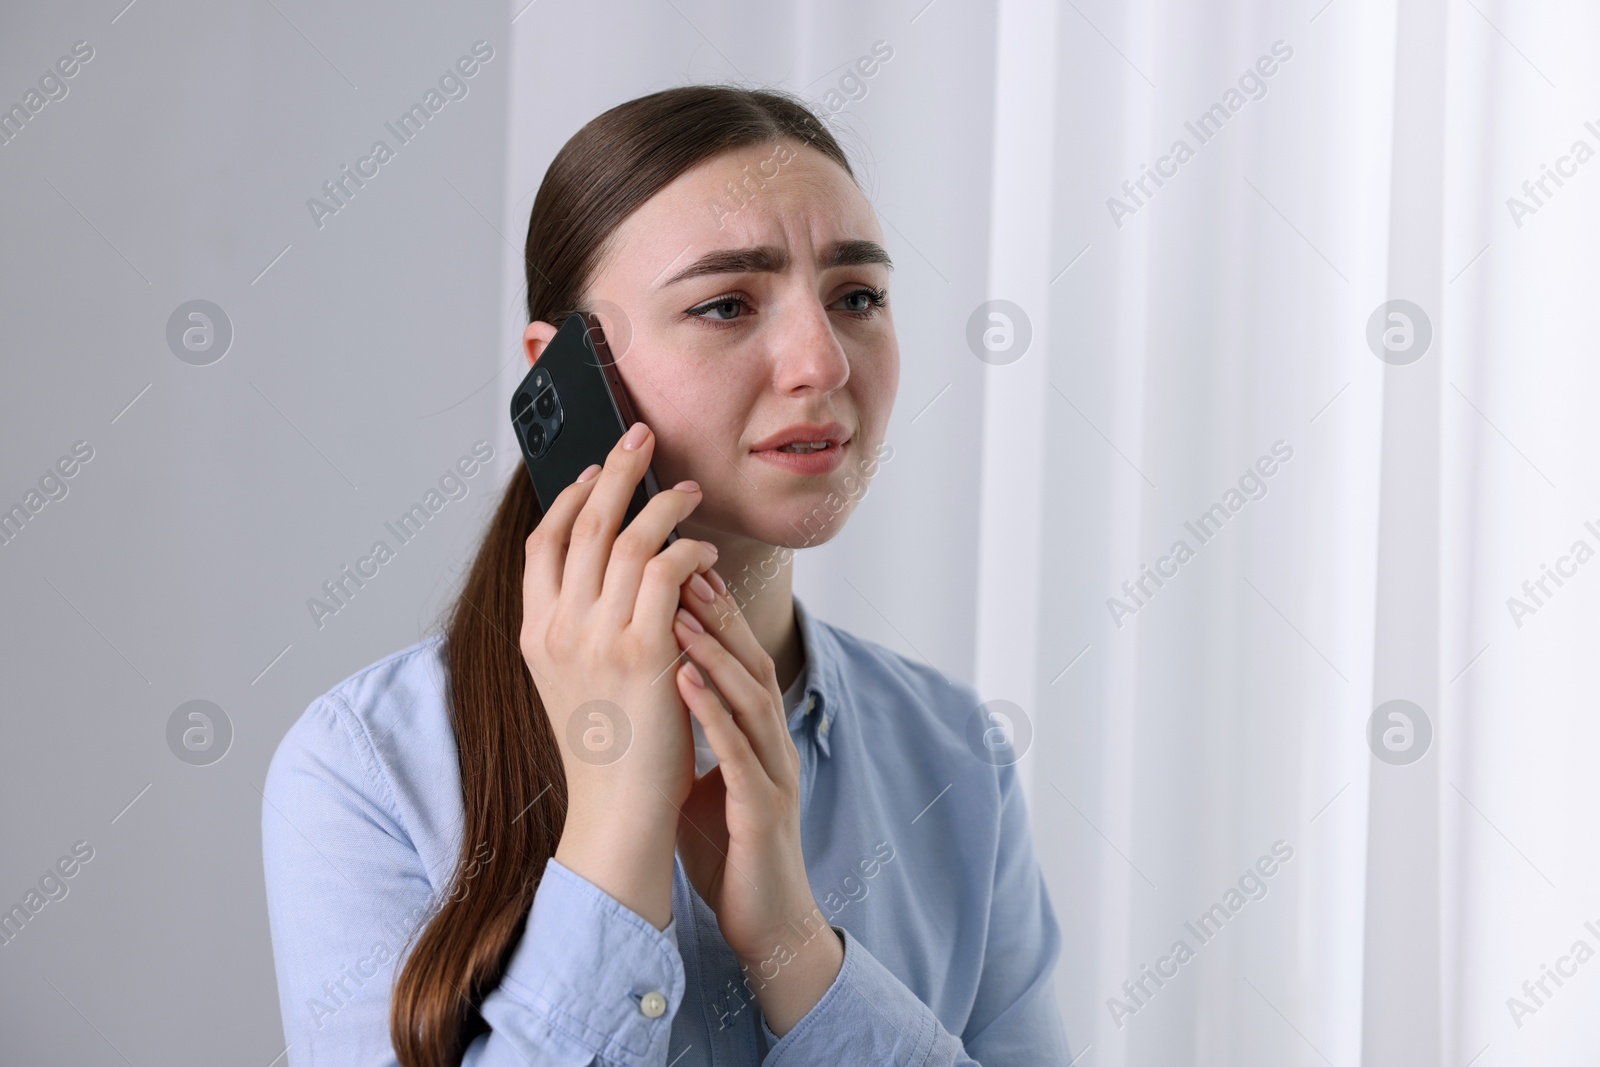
[806, 448]
[804, 437]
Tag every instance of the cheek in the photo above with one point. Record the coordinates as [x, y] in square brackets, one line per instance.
[878, 380]
[697, 418]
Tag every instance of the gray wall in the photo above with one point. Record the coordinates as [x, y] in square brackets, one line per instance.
[178, 565]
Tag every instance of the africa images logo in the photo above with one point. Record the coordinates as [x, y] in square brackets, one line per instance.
[454, 484]
[1253, 885]
[453, 85]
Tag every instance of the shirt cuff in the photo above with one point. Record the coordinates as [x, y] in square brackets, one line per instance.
[595, 971]
[867, 1016]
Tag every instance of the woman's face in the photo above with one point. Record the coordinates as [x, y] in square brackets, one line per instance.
[749, 313]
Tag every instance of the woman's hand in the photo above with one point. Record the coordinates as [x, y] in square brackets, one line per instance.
[597, 635]
[739, 837]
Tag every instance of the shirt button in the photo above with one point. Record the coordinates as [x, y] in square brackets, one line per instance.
[811, 703]
[653, 1004]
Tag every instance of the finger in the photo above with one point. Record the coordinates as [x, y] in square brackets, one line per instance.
[722, 617]
[546, 546]
[640, 541]
[598, 521]
[748, 697]
[741, 768]
[662, 579]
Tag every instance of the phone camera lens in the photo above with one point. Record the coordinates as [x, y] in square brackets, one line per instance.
[546, 403]
[524, 409]
[536, 436]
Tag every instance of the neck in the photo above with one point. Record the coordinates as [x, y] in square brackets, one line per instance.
[760, 578]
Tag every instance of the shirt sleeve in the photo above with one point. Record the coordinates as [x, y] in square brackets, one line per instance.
[346, 888]
[615, 991]
[869, 1015]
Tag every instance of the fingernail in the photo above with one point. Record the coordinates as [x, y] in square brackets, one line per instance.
[688, 486]
[702, 588]
[589, 472]
[692, 673]
[690, 621]
[716, 580]
[635, 436]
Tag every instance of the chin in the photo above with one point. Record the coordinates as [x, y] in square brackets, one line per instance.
[806, 523]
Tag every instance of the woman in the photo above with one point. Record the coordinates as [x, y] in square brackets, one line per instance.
[498, 846]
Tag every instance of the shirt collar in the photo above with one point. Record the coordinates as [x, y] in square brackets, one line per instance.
[824, 695]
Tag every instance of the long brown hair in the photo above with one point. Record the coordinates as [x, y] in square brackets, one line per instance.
[514, 791]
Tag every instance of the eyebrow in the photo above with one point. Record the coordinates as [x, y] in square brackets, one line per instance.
[769, 259]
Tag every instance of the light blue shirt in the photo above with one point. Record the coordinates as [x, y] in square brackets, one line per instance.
[916, 845]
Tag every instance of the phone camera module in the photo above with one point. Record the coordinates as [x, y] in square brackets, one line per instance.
[537, 416]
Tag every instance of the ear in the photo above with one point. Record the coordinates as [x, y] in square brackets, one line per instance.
[535, 337]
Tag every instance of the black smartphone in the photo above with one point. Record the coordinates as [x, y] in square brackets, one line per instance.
[571, 410]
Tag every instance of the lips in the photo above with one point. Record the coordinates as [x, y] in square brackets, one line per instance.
[806, 448]
[830, 434]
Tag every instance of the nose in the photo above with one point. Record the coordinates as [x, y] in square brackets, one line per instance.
[806, 352]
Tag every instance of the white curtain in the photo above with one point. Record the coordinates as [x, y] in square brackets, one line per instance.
[1206, 365]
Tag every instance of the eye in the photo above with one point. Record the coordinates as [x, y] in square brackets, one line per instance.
[866, 301]
[725, 309]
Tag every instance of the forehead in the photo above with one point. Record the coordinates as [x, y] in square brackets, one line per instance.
[778, 193]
